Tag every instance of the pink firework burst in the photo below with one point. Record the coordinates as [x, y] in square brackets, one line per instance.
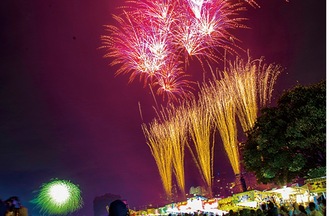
[173, 83]
[155, 39]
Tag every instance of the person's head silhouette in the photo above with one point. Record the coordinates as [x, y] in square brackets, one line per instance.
[118, 208]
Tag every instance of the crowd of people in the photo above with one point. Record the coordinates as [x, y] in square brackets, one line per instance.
[271, 209]
[119, 208]
[12, 207]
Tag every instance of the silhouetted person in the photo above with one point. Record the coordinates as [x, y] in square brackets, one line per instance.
[14, 207]
[313, 210]
[118, 208]
[252, 212]
[272, 209]
[259, 212]
[322, 206]
[302, 211]
[3, 208]
[284, 211]
[243, 183]
[263, 208]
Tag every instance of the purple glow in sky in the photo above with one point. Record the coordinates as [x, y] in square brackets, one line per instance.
[65, 115]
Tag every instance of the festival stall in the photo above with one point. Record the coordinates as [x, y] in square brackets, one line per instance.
[253, 199]
[246, 199]
[226, 204]
[317, 188]
[210, 207]
[316, 185]
[311, 191]
[196, 204]
[292, 194]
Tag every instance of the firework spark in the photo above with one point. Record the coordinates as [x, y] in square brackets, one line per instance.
[237, 91]
[196, 6]
[253, 86]
[162, 151]
[268, 75]
[154, 34]
[245, 78]
[242, 90]
[220, 100]
[58, 197]
[173, 83]
[176, 126]
[200, 130]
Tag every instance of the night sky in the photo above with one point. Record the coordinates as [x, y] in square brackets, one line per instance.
[65, 115]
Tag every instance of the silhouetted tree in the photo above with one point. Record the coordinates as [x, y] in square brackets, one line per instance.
[289, 140]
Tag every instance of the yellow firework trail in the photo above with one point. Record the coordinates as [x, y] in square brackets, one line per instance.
[253, 86]
[220, 101]
[238, 91]
[267, 77]
[244, 77]
[200, 129]
[162, 151]
[176, 122]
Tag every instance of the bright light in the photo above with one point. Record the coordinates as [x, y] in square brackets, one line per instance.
[58, 197]
[59, 193]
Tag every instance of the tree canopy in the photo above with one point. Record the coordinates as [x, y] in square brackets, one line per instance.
[289, 140]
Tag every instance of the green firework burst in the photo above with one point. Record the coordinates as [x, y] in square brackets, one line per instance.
[58, 197]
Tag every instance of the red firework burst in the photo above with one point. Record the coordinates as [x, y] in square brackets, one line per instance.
[153, 39]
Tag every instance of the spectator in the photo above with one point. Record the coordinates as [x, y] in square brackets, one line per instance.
[3, 207]
[272, 209]
[296, 210]
[322, 206]
[302, 211]
[313, 210]
[259, 212]
[284, 211]
[252, 212]
[263, 208]
[118, 208]
[15, 208]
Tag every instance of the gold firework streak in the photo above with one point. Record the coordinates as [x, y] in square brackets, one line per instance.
[162, 151]
[267, 77]
[175, 121]
[200, 131]
[220, 101]
[253, 86]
